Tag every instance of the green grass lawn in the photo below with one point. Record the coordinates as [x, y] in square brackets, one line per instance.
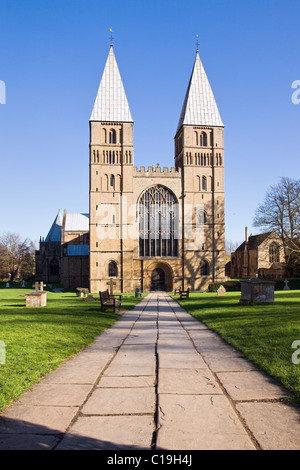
[264, 333]
[38, 340]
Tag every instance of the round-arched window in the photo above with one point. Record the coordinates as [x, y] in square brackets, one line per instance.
[204, 269]
[158, 222]
[112, 269]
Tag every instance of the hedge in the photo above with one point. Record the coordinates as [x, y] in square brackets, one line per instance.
[234, 286]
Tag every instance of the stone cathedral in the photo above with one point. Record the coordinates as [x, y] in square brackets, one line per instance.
[154, 228]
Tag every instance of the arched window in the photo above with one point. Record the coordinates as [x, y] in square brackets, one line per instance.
[204, 183]
[112, 136]
[112, 269]
[204, 268]
[54, 267]
[274, 253]
[111, 157]
[158, 219]
[202, 218]
[196, 137]
[112, 181]
[203, 139]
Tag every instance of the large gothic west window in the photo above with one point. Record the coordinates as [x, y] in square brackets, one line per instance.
[158, 219]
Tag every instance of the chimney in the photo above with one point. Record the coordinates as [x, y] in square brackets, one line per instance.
[246, 234]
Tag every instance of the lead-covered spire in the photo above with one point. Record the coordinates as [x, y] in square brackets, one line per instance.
[111, 103]
[199, 107]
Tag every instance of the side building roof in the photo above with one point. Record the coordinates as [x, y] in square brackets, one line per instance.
[254, 241]
[54, 234]
[77, 222]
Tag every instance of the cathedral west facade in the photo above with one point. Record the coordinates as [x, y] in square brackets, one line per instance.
[154, 228]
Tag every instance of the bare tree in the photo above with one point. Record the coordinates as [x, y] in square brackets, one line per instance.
[231, 246]
[16, 257]
[280, 211]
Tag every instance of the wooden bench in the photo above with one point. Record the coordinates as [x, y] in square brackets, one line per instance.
[177, 291]
[109, 301]
[185, 294]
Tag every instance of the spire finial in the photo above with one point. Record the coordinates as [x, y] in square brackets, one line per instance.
[197, 43]
[111, 37]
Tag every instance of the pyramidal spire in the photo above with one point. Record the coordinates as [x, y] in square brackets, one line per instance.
[54, 234]
[199, 106]
[111, 103]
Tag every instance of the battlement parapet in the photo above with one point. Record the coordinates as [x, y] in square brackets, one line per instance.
[156, 171]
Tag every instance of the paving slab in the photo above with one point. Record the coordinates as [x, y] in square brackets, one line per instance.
[29, 419]
[276, 426]
[119, 401]
[109, 433]
[183, 357]
[56, 395]
[200, 422]
[80, 370]
[27, 442]
[229, 364]
[133, 360]
[127, 382]
[187, 381]
[251, 386]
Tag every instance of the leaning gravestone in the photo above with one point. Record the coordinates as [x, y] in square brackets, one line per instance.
[221, 291]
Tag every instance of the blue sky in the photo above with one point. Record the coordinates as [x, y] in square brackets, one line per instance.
[52, 57]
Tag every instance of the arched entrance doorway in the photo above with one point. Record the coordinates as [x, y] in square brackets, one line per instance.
[158, 280]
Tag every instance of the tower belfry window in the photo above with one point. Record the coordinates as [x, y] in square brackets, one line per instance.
[203, 139]
[111, 157]
[112, 181]
[112, 136]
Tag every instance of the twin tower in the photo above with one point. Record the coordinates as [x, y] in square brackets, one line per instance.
[156, 228]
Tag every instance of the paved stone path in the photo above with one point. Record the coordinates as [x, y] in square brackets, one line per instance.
[158, 379]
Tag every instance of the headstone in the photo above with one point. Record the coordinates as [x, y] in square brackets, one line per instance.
[257, 291]
[221, 291]
[7, 284]
[286, 285]
[39, 286]
[138, 292]
[111, 283]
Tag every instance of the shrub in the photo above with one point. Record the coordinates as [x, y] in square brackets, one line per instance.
[82, 291]
[230, 286]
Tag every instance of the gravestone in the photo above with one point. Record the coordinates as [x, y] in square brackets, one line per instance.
[7, 284]
[286, 285]
[111, 283]
[138, 292]
[221, 291]
[38, 298]
[257, 291]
